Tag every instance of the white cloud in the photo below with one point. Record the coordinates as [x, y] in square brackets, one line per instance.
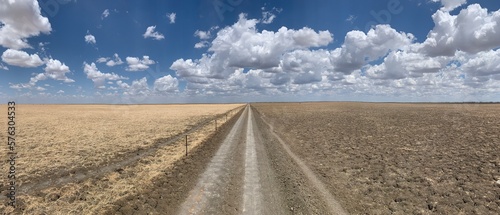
[360, 48]
[20, 20]
[116, 61]
[136, 64]
[202, 44]
[21, 58]
[90, 39]
[473, 30]
[56, 70]
[122, 85]
[242, 46]
[102, 59]
[203, 35]
[60, 92]
[401, 64]
[98, 77]
[483, 64]
[267, 17]
[105, 14]
[151, 33]
[243, 61]
[138, 88]
[303, 67]
[35, 79]
[110, 62]
[171, 17]
[166, 84]
[449, 5]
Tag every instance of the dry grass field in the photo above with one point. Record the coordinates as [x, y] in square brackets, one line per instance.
[398, 158]
[57, 140]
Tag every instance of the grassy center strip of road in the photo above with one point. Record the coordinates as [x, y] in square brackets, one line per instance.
[252, 192]
[214, 179]
[331, 202]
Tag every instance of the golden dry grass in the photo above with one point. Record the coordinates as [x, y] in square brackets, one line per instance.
[55, 138]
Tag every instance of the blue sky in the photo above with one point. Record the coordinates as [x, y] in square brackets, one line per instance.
[57, 51]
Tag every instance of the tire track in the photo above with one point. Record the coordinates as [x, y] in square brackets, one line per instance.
[211, 185]
[331, 202]
[252, 193]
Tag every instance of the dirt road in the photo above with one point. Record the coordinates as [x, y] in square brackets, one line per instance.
[254, 172]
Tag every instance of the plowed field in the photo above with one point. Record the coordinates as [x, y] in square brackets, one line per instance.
[398, 158]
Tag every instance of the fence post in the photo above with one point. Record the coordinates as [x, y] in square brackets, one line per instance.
[186, 145]
[215, 124]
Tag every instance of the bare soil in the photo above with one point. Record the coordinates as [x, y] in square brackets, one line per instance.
[396, 158]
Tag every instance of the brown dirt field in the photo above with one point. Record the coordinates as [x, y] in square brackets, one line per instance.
[58, 139]
[383, 158]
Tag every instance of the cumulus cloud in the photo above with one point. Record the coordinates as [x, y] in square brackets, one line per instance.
[401, 64]
[137, 88]
[203, 35]
[171, 17]
[202, 44]
[473, 30]
[21, 58]
[166, 84]
[243, 46]
[137, 64]
[483, 64]
[459, 54]
[304, 67]
[90, 39]
[115, 61]
[99, 78]
[20, 20]
[449, 5]
[56, 70]
[360, 48]
[31, 84]
[151, 33]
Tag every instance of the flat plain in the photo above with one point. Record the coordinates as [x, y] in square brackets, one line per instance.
[57, 141]
[387, 158]
[374, 158]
